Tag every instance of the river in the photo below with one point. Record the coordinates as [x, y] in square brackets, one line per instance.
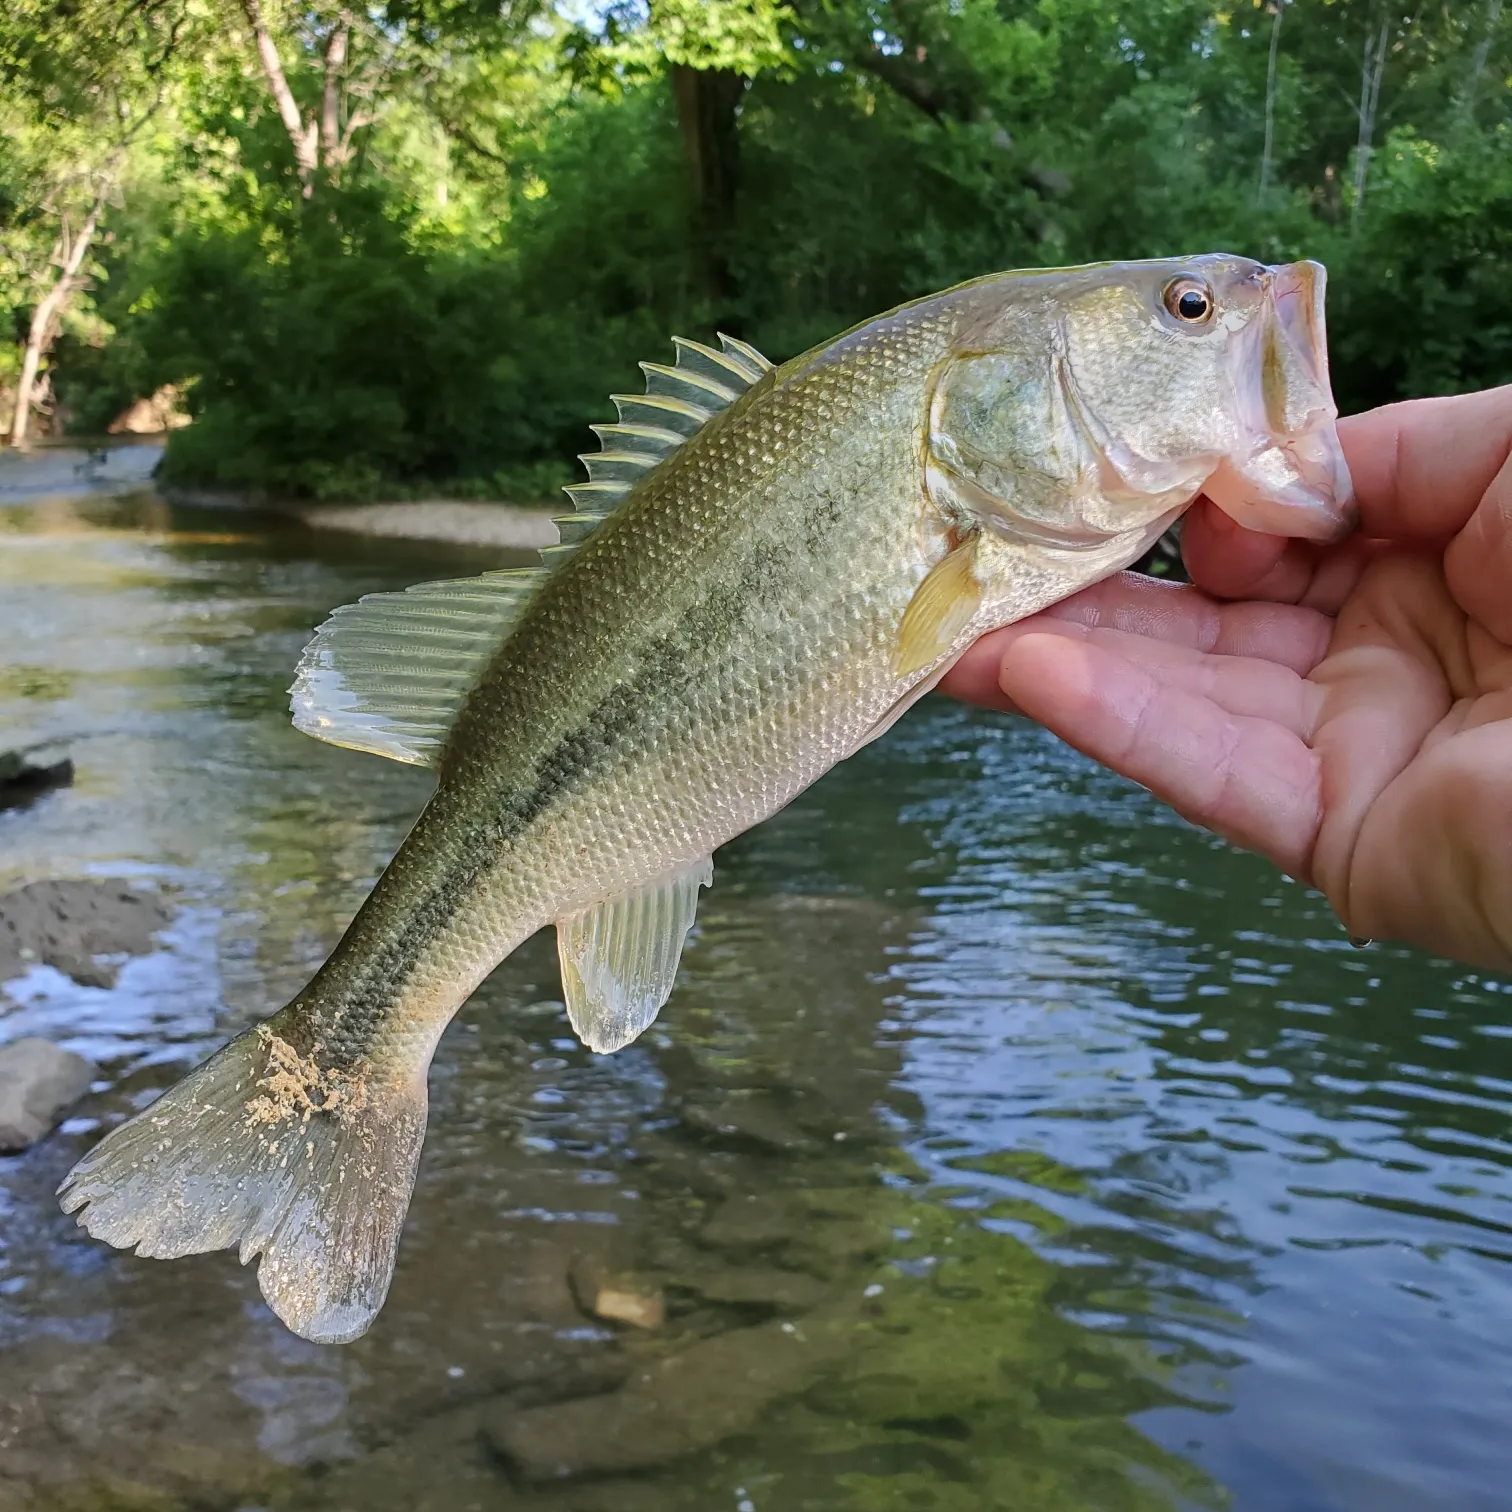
[1007, 1143]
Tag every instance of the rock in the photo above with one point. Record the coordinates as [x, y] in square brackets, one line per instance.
[626, 1304]
[752, 1118]
[441, 1465]
[69, 924]
[822, 1232]
[621, 1494]
[671, 1407]
[106, 1492]
[163, 411]
[616, 1296]
[38, 1082]
[14, 1497]
[755, 1221]
[756, 1286]
[21, 782]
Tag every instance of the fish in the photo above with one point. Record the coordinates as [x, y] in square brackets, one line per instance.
[765, 568]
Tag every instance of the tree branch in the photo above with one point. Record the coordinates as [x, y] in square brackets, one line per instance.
[72, 251]
[355, 122]
[905, 80]
[302, 134]
[464, 134]
[331, 138]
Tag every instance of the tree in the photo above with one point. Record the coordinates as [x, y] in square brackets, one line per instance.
[413, 244]
[322, 133]
[710, 50]
[84, 85]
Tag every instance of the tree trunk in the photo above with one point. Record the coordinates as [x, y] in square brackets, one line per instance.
[707, 101]
[39, 336]
[332, 145]
[1372, 68]
[303, 135]
[1270, 107]
[1470, 94]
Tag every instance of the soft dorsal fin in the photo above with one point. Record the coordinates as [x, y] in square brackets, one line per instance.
[619, 959]
[678, 402]
[389, 673]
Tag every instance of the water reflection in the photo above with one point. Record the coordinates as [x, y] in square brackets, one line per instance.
[1092, 1164]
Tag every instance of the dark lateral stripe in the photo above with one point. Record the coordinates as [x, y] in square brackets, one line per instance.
[671, 666]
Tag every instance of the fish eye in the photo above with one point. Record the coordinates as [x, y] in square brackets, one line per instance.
[1189, 300]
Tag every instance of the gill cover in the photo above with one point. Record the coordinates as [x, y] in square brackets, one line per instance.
[1014, 447]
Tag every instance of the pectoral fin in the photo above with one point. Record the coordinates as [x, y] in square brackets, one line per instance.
[619, 959]
[942, 606]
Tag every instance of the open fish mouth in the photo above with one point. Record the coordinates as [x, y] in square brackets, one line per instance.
[1295, 480]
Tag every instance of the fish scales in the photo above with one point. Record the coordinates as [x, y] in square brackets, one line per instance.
[770, 594]
[776, 533]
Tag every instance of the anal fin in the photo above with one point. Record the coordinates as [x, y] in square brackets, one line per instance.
[619, 958]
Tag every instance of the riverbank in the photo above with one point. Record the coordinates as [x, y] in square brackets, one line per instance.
[65, 471]
[457, 521]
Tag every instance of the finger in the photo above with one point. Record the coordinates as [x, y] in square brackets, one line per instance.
[1386, 687]
[974, 678]
[1242, 685]
[1178, 613]
[1478, 563]
[1231, 562]
[1186, 616]
[1248, 779]
[1421, 467]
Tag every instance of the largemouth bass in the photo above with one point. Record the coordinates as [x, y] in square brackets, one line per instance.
[765, 569]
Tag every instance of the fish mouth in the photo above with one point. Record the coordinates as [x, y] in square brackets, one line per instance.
[1292, 479]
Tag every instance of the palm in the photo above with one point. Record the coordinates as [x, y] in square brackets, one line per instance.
[1347, 713]
[1420, 739]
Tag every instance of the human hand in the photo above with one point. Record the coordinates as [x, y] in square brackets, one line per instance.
[1346, 711]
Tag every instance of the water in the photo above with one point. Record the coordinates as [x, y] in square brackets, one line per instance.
[1084, 1160]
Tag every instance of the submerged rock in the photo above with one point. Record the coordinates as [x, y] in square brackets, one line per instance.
[616, 1296]
[39, 1082]
[671, 1407]
[14, 1497]
[749, 1117]
[756, 1286]
[22, 782]
[71, 924]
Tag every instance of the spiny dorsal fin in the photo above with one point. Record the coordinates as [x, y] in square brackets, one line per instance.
[388, 673]
[678, 402]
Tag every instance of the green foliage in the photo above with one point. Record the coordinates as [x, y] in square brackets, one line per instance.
[744, 35]
[525, 206]
[1423, 305]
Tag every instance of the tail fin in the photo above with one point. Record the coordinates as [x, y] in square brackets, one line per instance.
[261, 1151]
